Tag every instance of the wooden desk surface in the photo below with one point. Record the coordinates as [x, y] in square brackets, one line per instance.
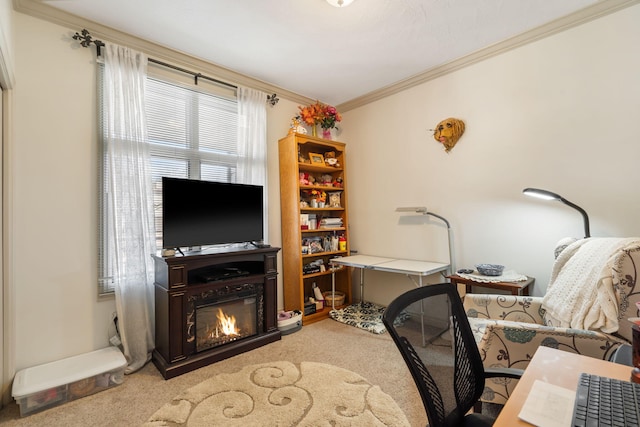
[556, 367]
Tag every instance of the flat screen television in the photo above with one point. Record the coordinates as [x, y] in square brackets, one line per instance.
[201, 213]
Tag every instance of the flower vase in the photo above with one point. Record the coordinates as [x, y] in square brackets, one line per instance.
[326, 133]
[314, 130]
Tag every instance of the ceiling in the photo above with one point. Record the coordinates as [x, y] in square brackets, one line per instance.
[313, 49]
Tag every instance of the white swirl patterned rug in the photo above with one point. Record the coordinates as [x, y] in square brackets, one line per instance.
[282, 394]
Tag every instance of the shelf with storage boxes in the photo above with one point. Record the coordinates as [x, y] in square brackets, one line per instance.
[315, 226]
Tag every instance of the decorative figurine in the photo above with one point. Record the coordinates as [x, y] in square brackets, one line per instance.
[448, 132]
[296, 126]
[330, 159]
[334, 200]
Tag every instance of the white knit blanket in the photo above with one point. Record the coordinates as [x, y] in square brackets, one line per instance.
[580, 293]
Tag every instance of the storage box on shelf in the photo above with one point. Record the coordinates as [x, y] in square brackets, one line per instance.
[315, 225]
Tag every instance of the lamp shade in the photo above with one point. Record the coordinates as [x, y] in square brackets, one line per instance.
[416, 209]
[541, 194]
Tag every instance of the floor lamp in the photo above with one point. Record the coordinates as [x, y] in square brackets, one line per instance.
[423, 210]
[548, 195]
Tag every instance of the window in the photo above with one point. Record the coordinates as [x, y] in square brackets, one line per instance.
[192, 133]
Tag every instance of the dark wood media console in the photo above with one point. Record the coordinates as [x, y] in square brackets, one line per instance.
[184, 282]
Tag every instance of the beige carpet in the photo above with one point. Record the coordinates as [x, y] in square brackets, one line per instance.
[282, 394]
[372, 356]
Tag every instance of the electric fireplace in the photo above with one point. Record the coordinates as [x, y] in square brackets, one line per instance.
[213, 305]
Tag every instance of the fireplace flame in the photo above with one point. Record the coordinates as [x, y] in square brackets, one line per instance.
[227, 323]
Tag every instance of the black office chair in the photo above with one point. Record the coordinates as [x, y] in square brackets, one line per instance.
[431, 330]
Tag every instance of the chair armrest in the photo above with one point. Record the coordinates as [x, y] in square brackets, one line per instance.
[511, 344]
[503, 373]
[515, 308]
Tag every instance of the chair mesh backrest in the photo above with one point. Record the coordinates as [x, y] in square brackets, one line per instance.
[432, 332]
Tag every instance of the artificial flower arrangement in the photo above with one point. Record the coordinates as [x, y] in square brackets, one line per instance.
[319, 114]
[318, 195]
[330, 117]
[312, 114]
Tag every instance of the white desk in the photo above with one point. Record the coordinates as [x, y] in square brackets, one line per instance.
[407, 267]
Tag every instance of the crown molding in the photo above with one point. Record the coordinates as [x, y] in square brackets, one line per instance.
[163, 53]
[40, 10]
[587, 14]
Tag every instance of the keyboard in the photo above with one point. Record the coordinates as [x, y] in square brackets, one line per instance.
[602, 401]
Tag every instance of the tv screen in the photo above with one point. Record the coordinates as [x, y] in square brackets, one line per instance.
[200, 213]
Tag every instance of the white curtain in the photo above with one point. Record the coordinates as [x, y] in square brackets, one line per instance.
[252, 136]
[252, 143]
[130, 225]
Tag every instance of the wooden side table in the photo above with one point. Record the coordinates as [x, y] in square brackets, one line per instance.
[516, 288]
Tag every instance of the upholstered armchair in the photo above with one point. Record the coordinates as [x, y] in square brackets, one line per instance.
[592, 293]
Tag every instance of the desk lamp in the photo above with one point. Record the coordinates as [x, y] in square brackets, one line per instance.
[548, 195]
[423, 210]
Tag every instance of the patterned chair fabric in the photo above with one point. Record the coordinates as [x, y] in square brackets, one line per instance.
[508, 329]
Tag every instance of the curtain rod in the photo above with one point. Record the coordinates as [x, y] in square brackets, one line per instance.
[195, 75]
[86, 40]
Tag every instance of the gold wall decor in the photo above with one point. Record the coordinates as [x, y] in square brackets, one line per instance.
[448, 132]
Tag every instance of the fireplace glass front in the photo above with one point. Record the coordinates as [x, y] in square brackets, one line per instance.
[226, 321]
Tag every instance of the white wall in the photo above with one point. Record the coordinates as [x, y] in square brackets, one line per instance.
[278, 119]
[559, 114]
[54, 160]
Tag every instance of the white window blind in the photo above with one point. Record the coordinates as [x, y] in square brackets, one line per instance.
[191, 134]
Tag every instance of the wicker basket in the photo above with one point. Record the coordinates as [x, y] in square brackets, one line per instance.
[330, 300]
